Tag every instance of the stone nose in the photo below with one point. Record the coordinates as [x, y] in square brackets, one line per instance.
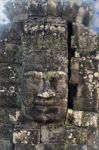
[47, 94]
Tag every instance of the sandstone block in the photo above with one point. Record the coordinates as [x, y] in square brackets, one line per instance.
[82, 119]
[25, 136]
[53, 133]
[84, 73]
[83, 104]
[82, 136]
[71, 135]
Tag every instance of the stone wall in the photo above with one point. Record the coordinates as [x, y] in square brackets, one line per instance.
[49, 77]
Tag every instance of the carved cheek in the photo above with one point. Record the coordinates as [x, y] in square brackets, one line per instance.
[32, 86]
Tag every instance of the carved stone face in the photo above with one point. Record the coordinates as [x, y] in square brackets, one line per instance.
[45, 96]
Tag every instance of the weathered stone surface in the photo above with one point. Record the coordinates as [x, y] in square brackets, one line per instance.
[38, 78]
[92, 147]
[86, 78]
[35, 61]
[69, 136]
[53, 133]
[55, 62]
[34, 50]
[82, 136]
[8, 101]
[6, 131]
[40, 147]
[55, 8]
[41, 61]
[43, 39]
[10, 73]
[10, 33]
[82, 147]
[10, 116]
[82, 119]
[57, 146]
[5, 144]
[25, 147]
[23, 135]
[45, 95]
[8, 53]
[85, 105]
[9, 96]
[20, 10]
[9, 85]
[84, 40]
[80, 12]
[33, 35]
[67, 8]
[38, 8]
[51, 146]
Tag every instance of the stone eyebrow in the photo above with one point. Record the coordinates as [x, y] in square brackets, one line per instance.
[35, 74]
[56, 74]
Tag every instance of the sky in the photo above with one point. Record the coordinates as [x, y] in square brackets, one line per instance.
[95, 21]
[3, 18]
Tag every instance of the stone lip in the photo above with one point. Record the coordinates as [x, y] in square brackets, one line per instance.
[45, 114]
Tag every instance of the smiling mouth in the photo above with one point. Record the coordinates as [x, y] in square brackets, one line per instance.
[47, 110]
[45, 102]
[48, 114]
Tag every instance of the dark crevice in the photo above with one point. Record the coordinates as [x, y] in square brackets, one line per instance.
[72, 88]
[71, 94]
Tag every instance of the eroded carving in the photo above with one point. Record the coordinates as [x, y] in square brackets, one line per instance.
[45, 96]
